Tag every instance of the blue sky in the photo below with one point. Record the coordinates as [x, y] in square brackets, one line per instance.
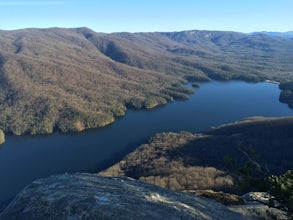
[149, 15]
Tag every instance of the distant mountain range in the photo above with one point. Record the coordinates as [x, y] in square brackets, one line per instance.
[73, 79]
[288, 34]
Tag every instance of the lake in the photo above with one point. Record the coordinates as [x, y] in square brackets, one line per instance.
[26, 158]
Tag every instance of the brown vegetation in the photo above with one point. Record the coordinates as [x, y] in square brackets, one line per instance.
[74, 79]
[157, 164]
[224, 198]
[224, 158]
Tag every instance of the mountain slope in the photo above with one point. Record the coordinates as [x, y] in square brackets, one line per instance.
[57, 79]
[288, 34]
[74, 79]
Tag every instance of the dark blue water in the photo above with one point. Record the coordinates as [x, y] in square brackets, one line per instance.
[25, 158]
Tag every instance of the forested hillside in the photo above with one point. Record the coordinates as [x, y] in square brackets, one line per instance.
[233, 157]
[74, 79]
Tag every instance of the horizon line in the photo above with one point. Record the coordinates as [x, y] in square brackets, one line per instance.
[32, 3]
[145, 31]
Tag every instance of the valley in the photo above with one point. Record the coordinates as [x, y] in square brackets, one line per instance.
[73, 79]
[75, 100]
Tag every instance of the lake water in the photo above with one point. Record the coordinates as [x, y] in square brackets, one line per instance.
[26, 158]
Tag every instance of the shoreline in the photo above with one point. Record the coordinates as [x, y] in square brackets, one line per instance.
[139, 109]
[272, 81]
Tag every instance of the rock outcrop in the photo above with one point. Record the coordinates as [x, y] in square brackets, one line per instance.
[88, 196]
[260, 211]
[261, 205]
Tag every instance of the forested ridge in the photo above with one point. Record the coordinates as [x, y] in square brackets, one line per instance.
[254, 154]
[73, 79]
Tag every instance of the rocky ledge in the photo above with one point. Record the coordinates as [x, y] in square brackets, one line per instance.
[88, 196]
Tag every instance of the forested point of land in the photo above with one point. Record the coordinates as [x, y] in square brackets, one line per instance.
[254, 154]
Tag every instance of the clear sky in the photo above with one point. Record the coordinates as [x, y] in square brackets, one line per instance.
[149, 15]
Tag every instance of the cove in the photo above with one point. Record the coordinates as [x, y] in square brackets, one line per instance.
[26, 158]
